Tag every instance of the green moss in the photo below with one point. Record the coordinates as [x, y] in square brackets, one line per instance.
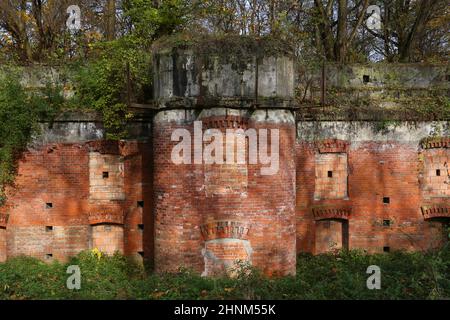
[224, 45]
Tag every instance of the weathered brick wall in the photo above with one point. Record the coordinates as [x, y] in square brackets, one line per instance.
[138, 223]
[390, 177]
[331, 176]
[190, 196]
[348, 184]
[108, 238]
[435, 172]
[61, 202]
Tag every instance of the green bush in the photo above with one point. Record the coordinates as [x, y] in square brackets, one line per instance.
[29, 278]
[328, 276]
[20, 112]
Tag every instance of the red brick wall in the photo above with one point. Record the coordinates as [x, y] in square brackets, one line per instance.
[138, 205]
[192, 215]
[54, 200]
[376, 170]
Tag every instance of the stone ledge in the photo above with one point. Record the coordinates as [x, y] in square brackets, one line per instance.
[435, 211]
[224, 102]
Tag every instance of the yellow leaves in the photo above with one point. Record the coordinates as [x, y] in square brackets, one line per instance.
[96, 253]
[93, 36]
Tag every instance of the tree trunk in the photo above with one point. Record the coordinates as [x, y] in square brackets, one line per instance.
[110, 20]
[340, 47]
[406, 47]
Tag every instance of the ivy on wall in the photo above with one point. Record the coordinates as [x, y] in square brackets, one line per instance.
[20, 112]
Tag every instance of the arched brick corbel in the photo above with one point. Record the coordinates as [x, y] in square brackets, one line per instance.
[332, 146]
[328, 212]
[435, 142]
[225, 122]
[435, 211]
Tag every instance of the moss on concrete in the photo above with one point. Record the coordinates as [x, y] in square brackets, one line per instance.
[225, 45]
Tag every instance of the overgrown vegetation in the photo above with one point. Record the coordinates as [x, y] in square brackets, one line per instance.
[20, 112]
[105, 76]
[331, 276]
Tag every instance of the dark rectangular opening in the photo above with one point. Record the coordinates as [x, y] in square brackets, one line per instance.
[141, 226]
[438, 172]
[141, 253]
[140, 204]
[386, 249]
[366, 78]
[386, 200]
[48, 256]
[345, 235]
[105, 174]
[386, 223]
[48, 205]
[330, 174]
[49, 228]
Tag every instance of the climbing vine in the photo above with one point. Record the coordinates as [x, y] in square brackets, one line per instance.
[20, 112]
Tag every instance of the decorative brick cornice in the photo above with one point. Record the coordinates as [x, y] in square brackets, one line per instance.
[436, 142]
[225, 229]
[322, 213]
[3, 220]
[332, 146]
[225, 122]
[108, 213]
[435, 211]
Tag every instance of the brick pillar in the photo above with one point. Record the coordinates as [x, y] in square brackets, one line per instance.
[106, 197]
[210, 215]
[177, 216]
